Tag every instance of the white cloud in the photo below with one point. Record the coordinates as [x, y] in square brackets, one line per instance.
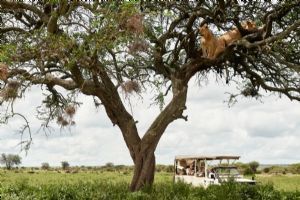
[267, 132]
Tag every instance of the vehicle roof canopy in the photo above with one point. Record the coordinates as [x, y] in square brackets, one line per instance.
[225, 167]
[201, 157]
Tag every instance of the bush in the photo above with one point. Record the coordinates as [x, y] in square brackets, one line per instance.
[294, 168]
[277, 170]
[164, 168]
[248, 171]
[242, 167]
[266, 170]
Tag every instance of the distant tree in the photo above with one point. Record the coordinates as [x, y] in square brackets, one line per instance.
[109, 164]
[65, 165]
[45, 166]
[253, 166]
[9, 160]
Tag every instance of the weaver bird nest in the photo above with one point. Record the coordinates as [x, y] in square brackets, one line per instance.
[67, 117]
[3, 72]
[10, 91]
[133, 24]
[70, 110]
[138, 46]
[131, 86]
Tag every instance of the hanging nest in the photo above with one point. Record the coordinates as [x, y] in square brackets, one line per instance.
[131, 86]
[10, 91]
[66, 118]
[250, 91]
[134, 24]
[70, 110]
[3, 72]
[138, 45]
[62, 121]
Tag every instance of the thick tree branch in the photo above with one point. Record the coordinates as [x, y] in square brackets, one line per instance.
[116, 111]
[277, 37]
[290, 65]
[14, 5]
[47, 79]
[170, 113]
[14, 29]
[277, 14]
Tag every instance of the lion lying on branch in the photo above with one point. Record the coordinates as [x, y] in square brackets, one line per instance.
[213, 46]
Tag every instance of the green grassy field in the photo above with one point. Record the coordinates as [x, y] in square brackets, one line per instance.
[114, 185]
[281, 182]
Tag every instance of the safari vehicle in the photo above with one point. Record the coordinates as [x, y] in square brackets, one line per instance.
[207, 170]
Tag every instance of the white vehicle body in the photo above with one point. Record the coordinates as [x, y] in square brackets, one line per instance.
[199, 171]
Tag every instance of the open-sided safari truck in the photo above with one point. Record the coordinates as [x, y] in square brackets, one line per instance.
[207, 170]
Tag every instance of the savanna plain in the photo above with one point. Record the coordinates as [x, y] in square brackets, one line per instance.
[113, 184]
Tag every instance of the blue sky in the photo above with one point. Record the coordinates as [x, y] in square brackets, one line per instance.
[266, 130]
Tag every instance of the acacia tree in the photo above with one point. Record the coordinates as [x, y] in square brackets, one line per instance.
[65, 165]
[253, 166]
[9, 160]
[102, 49]
[45, 166]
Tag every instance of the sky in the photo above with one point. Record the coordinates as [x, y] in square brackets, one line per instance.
[266, 130]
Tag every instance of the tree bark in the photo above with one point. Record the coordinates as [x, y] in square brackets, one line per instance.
[144, 169]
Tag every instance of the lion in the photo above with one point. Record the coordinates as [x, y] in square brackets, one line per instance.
[211, 45]
[249, 25]
[234, 34]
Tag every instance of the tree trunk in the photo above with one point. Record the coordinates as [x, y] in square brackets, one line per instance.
[142, 149]
[144, 169]
[143, 154]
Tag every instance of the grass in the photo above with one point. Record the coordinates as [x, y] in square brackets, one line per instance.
[41, 177]
[281, 182]
[16, 185]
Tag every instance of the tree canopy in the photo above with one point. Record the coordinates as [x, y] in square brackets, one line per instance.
[103, 48]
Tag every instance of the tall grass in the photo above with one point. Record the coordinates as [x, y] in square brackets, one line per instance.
[281, 182]
[113, 185]
[89, 190]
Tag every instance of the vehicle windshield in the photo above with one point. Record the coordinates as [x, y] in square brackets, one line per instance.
[227, 171]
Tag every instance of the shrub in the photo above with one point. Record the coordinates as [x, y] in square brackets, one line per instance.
[266, 170]
[294, 168]
[164, 168]
[248, 171]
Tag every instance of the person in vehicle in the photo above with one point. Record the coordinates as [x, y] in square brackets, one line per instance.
[212, 174]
